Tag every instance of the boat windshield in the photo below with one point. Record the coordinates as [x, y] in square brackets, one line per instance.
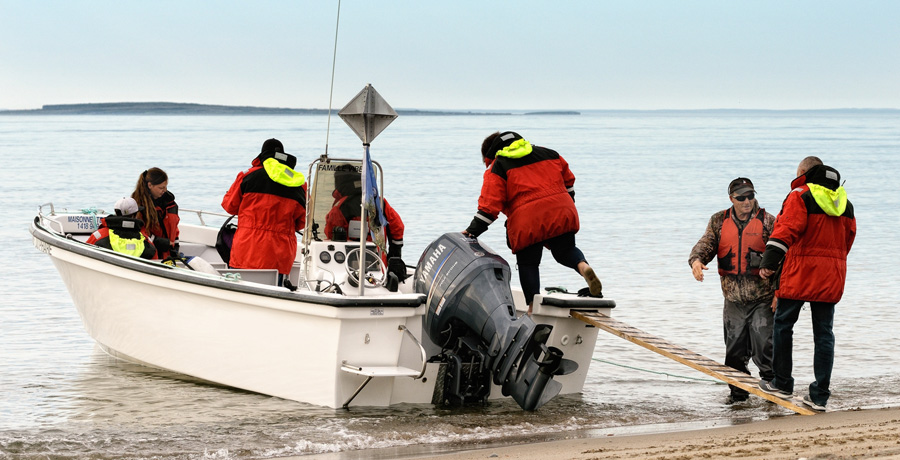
[334, 199]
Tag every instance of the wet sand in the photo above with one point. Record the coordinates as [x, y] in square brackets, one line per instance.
[870, 433]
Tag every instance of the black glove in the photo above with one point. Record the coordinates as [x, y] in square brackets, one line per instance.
[162, 245]
[398, 268]
[772, 258]
[394, 251]
[477, 227]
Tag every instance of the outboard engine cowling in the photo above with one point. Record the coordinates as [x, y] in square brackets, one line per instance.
[472, 317]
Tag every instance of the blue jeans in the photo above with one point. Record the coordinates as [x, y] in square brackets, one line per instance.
[783, 341]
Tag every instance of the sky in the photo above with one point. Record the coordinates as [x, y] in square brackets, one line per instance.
[454, 55]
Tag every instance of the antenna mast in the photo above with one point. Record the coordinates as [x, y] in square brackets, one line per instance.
[331, 89]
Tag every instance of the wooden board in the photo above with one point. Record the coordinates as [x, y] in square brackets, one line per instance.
[684, 356]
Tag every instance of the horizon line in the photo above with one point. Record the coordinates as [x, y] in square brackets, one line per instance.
[54, 107]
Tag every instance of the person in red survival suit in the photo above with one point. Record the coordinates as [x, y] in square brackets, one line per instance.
[151, 193]
[347, 198]
[807, 255]
[123, 232]
[534, 187]
[270, 202]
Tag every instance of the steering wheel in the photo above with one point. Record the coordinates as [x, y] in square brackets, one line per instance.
[374, 270]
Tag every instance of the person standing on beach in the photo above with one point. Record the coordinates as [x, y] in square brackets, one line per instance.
[807, 254]
[737, 238]
[534, 187]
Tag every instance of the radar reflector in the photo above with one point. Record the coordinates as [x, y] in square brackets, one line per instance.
[367, 114]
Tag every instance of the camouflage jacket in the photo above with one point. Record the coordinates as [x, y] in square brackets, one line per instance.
[735, 288]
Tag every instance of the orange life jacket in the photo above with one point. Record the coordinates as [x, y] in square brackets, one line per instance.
[740, 250]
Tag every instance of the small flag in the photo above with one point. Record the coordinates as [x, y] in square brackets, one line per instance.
[374, 212]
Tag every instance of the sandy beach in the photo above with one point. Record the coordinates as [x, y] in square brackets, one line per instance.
[849, 434]
[871, 433]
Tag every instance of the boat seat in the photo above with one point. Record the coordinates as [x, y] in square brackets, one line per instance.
[192, 249]
[207, 253]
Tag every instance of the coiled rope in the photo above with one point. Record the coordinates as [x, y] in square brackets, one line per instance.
[92, 211]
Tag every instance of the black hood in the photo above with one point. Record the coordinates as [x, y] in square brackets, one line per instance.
[126, 227]
[165, 199]
[823, 175]
[284, 158]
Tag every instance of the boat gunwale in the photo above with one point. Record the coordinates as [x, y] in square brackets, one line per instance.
[154, 268]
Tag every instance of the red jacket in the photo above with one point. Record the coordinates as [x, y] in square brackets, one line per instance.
[814, 232]
[270, 202]
[533, 187]
[349, 206]
[167, 210]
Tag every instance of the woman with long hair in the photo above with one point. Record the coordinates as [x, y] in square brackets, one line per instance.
[152, 194]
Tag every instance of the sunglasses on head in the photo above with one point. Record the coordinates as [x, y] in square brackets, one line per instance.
[743, 198]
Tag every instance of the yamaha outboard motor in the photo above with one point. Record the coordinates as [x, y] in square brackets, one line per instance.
[472, 317]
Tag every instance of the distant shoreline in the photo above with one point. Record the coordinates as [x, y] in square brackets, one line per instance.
[179, 108]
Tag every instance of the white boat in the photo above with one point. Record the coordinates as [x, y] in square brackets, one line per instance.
[328, 342]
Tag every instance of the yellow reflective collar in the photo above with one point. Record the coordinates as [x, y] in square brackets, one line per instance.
[129, 246]
[282, 174]
[833, 202]
[517, 149]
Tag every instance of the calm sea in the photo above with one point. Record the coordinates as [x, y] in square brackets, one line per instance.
[646, 186]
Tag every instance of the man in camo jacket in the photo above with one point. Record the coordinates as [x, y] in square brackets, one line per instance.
[737, 237]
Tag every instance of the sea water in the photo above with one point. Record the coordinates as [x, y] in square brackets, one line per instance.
[647, 183]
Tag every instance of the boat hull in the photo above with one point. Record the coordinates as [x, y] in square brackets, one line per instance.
[266, 339]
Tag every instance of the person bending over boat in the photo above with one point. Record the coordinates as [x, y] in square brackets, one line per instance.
[347, 198]
[270, 202]
[152, 193]
[123, 232]
[534, 187]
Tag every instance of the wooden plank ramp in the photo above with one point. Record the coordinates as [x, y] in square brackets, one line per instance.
[684, 356]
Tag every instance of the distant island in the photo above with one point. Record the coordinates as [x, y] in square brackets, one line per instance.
[178, 108]
[554, 112]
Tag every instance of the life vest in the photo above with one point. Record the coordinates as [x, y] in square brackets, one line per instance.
[740, 250]
[130, 246]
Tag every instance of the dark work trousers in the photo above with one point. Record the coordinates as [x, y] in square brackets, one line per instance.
[529, 260]
[748, 334]
[823, 355]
